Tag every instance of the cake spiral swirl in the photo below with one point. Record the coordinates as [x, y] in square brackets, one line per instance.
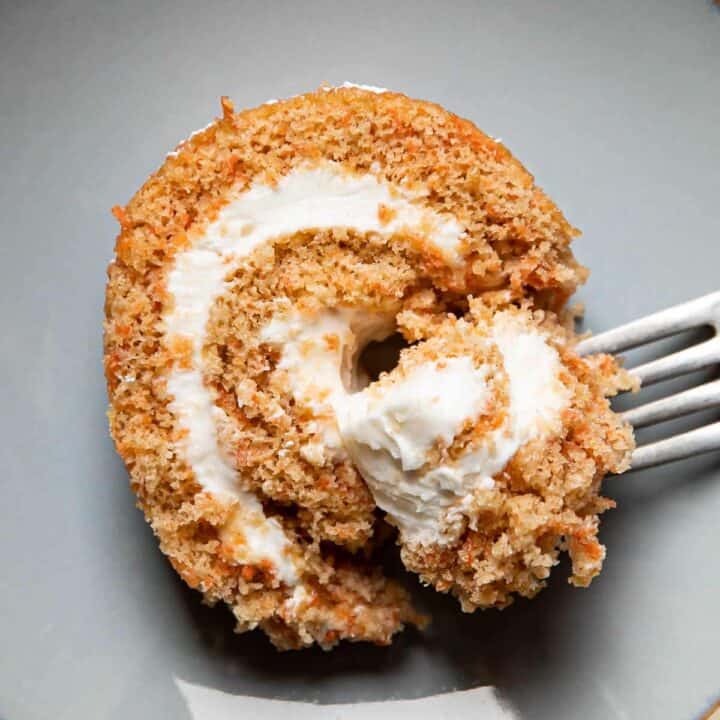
[252, 270]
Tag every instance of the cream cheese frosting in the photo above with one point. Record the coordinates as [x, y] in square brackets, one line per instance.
[329, 342]
[368, 88]
[388, 432]
[428, 505]
[406, 419]
[317, 197]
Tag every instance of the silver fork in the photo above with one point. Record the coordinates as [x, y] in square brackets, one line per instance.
[705, 311]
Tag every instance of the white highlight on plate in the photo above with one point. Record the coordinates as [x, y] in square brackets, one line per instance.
[323, 196]
[206, 703]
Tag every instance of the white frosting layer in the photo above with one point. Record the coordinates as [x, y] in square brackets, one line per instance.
[328, 343]
[369, 88]
[406, 419]
[261, 538]
[537, 394]
[176, 152]
[428, 505]
[307, 198]
[389, 431]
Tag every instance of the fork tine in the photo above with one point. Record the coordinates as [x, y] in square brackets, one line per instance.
[702, 311]
[695, 442]
[699, 398]
[679, 363]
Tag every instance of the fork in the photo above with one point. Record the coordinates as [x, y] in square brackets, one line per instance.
[704, 311]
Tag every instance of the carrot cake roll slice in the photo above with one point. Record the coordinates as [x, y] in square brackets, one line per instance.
[251, 272]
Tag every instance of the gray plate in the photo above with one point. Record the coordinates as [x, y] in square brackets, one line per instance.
[615, 106]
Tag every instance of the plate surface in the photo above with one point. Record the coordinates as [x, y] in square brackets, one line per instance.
[614, 106]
